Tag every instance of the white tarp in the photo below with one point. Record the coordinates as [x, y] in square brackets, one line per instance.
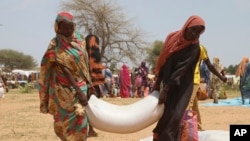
[208, 135]
[24, 72]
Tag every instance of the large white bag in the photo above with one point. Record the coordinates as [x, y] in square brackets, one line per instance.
[124, 118]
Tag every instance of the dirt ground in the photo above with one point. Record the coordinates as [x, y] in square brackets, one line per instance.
[20, 119]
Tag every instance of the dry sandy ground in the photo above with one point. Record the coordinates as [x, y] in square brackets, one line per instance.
[20, 119]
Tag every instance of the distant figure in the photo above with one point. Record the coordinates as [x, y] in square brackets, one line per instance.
[216, 82]
[243, 72]
[4, 81]
[2, 86]
[108, 81]
[125, 82]
[205, 74]
[133, 79]
[95, 65]
[143, 73]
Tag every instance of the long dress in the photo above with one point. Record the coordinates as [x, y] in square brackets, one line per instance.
[125, 82]
[56, 94]
[245, 84]
[178, 74]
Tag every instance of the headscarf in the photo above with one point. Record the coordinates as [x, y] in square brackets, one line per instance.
[143, 69]
[74, 46]
[125, 81]
[125, 75]
[175, 41]
[217, 64]
[143, 64]
[242, 66]
[62, 16]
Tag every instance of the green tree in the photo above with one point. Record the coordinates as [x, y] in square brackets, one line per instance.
[153, 53]
[232, 69]
[11, 59]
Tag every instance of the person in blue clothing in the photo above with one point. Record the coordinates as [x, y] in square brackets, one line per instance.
[108, 81]
[243, 72]
[205, 75]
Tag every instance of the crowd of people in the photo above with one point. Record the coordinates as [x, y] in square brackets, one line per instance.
[135, 83]
[71, 71]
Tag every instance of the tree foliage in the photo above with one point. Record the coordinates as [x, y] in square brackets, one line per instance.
[120, 41]
[153, 53]
[231, 69]
[11, 59]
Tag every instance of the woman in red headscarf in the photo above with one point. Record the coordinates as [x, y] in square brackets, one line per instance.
[175, 69]
[125, 81]
[64, 80]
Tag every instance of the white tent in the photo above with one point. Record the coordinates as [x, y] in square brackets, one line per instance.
[23, 72]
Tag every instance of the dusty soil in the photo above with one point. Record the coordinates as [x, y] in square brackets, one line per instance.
[20, 119]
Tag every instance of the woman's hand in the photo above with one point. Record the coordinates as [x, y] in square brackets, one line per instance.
[82, 98]
[224, 79]
[163, 95]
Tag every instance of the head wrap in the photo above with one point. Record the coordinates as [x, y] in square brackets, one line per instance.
[63, 16]
[216, 62]
[143, 64]
[242, 66]
[175, 41]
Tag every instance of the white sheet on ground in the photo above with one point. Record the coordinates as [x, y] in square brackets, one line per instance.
[124, 118]
[208, 135]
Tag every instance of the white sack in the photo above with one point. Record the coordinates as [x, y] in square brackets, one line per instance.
[124, 118]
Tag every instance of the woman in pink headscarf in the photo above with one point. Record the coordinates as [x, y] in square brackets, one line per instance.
[125, 82]
[175, 70]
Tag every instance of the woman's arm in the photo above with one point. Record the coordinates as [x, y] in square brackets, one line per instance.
[214, 71]
[82, 97]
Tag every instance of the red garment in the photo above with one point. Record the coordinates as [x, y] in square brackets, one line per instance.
[175, 41]
[125, 81]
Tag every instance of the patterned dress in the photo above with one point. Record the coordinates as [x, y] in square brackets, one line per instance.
[57, 96]
[95, 66]
[245, 84]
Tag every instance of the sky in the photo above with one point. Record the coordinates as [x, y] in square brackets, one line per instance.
[27, 25]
